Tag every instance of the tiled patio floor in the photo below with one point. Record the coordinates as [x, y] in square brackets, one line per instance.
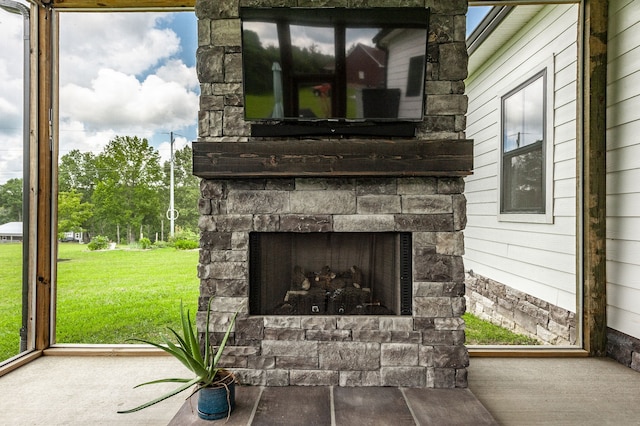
[73, 390]
[346, 406]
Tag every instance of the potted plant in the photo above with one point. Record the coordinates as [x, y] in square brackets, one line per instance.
[215, 386]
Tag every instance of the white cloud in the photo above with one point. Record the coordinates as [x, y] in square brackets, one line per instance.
[127, 42]
[115, 99]
[164, 149]
[178, 72]
[122, 75]
[10, 158]
[74, 135]
[11, 92]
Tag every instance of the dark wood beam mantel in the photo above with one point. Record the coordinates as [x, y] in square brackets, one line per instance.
[333, 158]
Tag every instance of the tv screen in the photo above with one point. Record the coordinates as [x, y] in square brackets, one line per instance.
[328, 64]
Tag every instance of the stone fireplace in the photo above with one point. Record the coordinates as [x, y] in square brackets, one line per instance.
[342, 255]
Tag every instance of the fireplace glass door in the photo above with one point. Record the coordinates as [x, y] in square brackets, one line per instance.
[330, 273]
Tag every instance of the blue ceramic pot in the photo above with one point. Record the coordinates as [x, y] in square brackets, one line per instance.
[217, 402]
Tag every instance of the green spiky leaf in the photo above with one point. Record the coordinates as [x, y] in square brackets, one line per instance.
[186, 349]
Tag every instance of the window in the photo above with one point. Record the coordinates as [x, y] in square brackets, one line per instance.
[416, 73]
[523, 186]
[15, 154]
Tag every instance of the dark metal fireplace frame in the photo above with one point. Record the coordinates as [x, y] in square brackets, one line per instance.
[404, 273]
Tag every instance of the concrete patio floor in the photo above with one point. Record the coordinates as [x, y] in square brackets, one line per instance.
[54, 390]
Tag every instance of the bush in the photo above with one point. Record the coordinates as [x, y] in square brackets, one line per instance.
[185, 244]
[145, 243]
[185, 239]
[160, 244]
[99, 242]
[184, 234]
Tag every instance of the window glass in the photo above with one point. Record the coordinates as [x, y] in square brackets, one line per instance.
[13, 276]
[523, 112]
[524, 116]
[127, 200]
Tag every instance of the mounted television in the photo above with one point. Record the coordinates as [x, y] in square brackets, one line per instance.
[334, 69]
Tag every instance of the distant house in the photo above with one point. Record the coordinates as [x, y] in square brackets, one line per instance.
[72, 236]
[11, 231]
[366, 66]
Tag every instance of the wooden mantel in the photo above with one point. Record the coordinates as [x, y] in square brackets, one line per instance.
[327, 158]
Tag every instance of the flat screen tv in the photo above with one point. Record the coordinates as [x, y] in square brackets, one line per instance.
[334, 66]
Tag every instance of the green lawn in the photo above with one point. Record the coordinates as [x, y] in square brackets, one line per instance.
[480, 332]
[105, 296]
[261, 106]
[111, 296]
[10, 299]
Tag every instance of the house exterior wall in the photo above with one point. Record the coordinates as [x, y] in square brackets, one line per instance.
[623, 172]
[535, 255]
[401, 49]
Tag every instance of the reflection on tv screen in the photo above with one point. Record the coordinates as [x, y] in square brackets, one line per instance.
[368, 64]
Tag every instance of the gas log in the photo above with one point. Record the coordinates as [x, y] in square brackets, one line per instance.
[329, 293]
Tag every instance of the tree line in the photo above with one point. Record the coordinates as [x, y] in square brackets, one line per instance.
[121, 192]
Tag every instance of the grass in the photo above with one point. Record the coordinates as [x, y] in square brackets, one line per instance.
[480, 332]
[105, 296]
[10, 299]
[111, 296]
[261, 106]
[114, 295]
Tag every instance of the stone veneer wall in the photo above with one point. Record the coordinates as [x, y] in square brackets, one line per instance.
[519, 312]
[423, 350]
[623, 348]
[219, 65]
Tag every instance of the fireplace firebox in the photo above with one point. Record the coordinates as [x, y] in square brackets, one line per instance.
[331, 273]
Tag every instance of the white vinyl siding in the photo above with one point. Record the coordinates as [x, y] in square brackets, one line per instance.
[623, 167]
[535, 256]
[401, 49]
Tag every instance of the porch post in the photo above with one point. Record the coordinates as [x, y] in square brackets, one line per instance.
[45, 223]
[594, 19]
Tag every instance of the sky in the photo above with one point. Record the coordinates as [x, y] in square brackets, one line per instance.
[322, 38]
[121, 74]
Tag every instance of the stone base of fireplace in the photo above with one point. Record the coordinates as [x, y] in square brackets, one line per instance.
[424, 349]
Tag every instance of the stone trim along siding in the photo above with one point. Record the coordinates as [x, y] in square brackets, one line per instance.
[623, 348]
[519, 312]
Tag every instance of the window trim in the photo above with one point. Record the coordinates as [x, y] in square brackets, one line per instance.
[547, 70]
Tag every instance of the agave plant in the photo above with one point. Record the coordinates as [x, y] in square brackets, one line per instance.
[187, 351]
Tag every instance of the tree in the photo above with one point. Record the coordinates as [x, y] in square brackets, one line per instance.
[11, 201]
[187, 188]
[72, 212]
[128, 188]
[78, 172]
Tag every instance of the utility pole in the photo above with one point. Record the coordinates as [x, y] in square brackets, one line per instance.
[172, 214]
